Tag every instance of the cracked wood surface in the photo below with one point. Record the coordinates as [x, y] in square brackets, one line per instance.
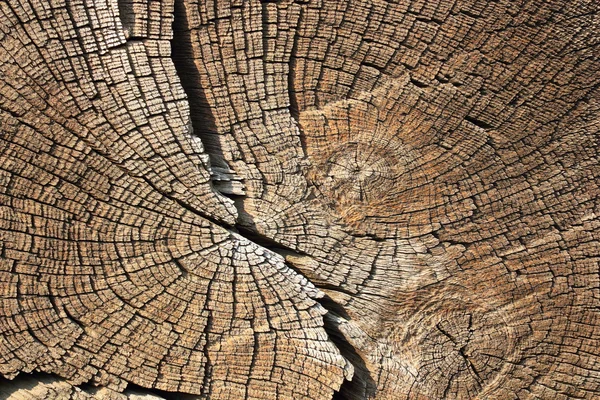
[188, 187]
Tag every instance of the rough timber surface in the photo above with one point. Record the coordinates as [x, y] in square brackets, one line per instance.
[358, 199]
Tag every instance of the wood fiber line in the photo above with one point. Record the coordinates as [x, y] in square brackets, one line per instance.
[433, 166]
[430, 166]
[111, 273]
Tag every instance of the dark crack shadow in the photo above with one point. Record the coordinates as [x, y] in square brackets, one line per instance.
[204, 126]
[201, 115]
[362, 386]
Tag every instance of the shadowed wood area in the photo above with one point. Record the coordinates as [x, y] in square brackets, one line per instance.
[317, 199]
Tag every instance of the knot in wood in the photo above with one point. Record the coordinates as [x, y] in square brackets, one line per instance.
[457, 349]
[358, 172]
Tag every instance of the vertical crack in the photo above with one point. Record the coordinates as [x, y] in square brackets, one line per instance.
[204, 126]
[362, 385]
[203, 122]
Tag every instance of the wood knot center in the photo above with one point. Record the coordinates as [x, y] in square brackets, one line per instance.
[456, 350]
[358, 172]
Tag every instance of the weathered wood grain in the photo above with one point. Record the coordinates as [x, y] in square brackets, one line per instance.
[111, 272]
[188, 187]
[46, 387]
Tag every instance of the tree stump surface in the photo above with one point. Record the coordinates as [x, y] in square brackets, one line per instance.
[316, 199]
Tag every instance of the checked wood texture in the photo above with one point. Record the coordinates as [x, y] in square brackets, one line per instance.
[110, 272]
[189, 187]
[433, 166]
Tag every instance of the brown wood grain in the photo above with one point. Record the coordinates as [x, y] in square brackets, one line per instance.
[356, 199]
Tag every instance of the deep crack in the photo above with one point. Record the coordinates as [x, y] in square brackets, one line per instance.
[204, 126]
